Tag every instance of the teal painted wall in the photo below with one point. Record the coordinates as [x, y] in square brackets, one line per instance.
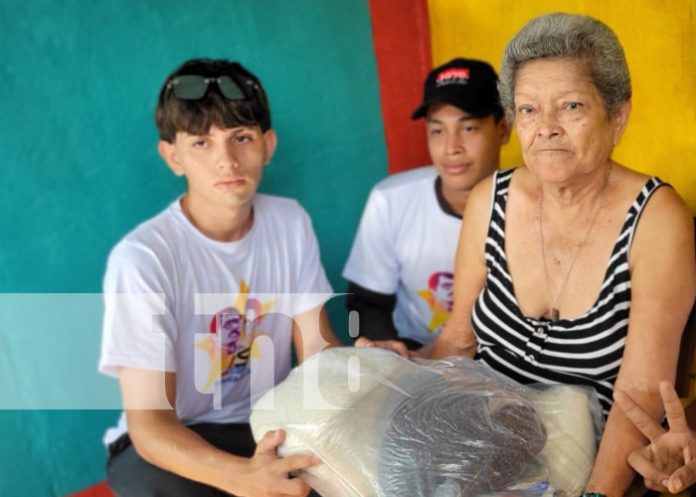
[79, 168]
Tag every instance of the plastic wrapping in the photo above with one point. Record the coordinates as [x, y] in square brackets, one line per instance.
[384, 426]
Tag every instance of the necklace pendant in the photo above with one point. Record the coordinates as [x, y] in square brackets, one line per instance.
[554, 314]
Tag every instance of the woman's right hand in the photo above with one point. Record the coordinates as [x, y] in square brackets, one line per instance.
[393, 345]
[667, 463]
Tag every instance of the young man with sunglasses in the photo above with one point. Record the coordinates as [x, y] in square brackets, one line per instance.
[401, 265]
[188, 291]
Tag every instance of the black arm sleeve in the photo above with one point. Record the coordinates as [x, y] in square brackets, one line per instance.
[375, 311]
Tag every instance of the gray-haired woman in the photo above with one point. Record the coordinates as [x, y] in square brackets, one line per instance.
[575, 269]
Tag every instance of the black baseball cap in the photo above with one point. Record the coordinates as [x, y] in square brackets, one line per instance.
[470, 85]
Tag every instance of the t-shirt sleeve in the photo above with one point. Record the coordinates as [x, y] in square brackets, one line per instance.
[139, 329]
[373, 263]
[312, 288]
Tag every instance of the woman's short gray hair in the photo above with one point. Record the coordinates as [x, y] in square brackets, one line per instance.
[568, 36]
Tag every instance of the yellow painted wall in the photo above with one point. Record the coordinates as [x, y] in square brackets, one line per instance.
[659, 39]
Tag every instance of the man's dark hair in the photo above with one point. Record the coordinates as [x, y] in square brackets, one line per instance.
[197, 116]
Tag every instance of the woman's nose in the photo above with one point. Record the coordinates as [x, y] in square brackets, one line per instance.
[548, 125]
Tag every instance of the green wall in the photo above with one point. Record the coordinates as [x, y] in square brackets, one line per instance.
[79, 168]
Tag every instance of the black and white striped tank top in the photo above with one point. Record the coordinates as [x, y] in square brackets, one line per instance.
[586, 350]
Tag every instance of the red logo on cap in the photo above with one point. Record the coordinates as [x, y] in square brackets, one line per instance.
[452, 75]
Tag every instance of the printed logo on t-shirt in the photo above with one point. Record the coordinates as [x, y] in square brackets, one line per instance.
[231, 333]
[438, 296]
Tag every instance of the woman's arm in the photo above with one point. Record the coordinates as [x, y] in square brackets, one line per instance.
[457, 337]
[663, 285]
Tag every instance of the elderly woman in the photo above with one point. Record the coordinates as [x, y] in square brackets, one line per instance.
[573, 268]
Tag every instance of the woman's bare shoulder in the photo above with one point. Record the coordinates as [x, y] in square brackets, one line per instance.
[666, 220]
[664, 201]
[481, 194]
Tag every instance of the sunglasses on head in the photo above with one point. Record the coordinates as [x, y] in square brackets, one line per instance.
[195, 87]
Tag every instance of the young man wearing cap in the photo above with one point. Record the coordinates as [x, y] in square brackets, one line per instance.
[188, 292]
[400, 268]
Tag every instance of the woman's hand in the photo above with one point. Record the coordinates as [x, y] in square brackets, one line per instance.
[393, 345]
[667, 463]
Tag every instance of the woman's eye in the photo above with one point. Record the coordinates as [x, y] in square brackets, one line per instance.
[573, 105]
[199, 144]
[524, 109]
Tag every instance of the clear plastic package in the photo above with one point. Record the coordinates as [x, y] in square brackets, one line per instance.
[385, 426]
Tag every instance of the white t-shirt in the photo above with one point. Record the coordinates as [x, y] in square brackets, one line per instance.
[178, 301]
[405, 246]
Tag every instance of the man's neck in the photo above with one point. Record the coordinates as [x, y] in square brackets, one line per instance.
[222, 224]
[449, 203]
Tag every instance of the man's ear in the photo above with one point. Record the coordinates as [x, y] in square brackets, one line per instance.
[168, 152]
[271, 141]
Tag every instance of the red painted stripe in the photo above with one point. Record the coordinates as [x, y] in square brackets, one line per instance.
[99, 490]
[401, 36]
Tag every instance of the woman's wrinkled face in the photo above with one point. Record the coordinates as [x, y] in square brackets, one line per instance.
[561, 121]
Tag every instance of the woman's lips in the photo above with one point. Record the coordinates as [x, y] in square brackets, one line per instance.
[552, 150]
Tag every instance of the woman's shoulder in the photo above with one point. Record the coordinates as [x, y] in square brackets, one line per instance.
[500, 181]
[653, 196]
[522, 184]
[495, 189]
[481, 194]
[664, 219]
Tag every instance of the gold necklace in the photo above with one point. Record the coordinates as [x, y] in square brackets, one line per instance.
[553, 313]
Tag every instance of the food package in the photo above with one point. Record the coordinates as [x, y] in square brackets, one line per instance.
[385, 426]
